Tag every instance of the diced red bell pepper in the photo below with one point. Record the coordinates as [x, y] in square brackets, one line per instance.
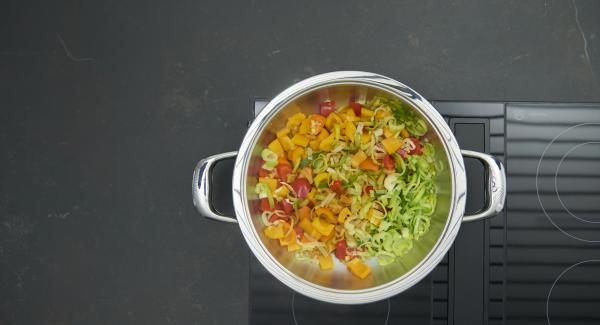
[367, 189]
[301, 186]
[299, 231]
[356, 107]
[263, 172]
[388, 162]
[336, 186]
[283, 170]
[340, 249]
[264, 205]
[287, 207]
[418, 150]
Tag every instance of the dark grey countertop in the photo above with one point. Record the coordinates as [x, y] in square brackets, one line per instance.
[107, 107]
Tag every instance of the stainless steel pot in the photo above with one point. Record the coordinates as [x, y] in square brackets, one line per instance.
[338, 285]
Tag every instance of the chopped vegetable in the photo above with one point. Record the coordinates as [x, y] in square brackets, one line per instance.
[354, 182]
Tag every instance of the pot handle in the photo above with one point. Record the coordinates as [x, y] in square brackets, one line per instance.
[495, 185]
[201, 186]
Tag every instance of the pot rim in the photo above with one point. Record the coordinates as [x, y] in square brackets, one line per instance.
[419, 271]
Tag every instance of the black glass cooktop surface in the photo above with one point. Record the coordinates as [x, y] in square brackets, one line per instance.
[537, 262]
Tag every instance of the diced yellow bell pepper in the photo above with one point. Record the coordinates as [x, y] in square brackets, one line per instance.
[381, 114]
[374, 216]
[345, 213]
[387, 132]
[308, 228]
[287, 239]
[321, 177]
[296, 156]
[349, 130]
[311, 195]
[365, 138]
[271, 182]
[365, 112]
[281, 192]
[287, 143]
[332, 120]
[293, 246]
[304, 127]
[295, 120]
[330, 244]
[327, 143]
[283, 132]
[314, 144]
[359, 268]
[301, 140]
[274, 232]
[325, 213]
[322, 226]
[326, 262]
[391, 144]
[276, 147]
[322, 135]
[358, 158]
[404, 133]
[305, 224]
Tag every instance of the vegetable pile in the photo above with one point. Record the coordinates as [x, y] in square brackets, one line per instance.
[356, 182]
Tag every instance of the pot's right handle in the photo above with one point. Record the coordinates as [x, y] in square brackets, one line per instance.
[495, 185]
[201, 186]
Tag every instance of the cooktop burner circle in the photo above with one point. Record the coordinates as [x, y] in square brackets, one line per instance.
[556, 177]
[580, 287]
[372, 313]
[581, 139]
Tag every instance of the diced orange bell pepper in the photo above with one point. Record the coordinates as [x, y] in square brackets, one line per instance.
[276, 147]
[326, 262]
[391, 145]
[326, 238]
[317, 122]
[303, 213]
[359, 268]
[369, 164]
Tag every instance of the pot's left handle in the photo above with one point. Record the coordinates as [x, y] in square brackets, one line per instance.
[201, 186]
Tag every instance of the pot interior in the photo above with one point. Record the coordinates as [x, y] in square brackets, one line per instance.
[340, 278]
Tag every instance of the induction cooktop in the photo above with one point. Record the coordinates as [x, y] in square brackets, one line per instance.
[536, 262]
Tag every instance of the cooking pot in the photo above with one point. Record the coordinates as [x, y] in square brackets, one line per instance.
[339, 285]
